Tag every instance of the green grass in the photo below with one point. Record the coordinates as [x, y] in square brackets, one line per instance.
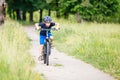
[97, 44]
[58, 65]
[15, 61]
[26, 23]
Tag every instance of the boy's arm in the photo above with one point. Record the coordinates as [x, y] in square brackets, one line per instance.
[57, 25]
[37, 26]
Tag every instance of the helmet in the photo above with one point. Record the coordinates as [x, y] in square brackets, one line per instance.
[47, 19]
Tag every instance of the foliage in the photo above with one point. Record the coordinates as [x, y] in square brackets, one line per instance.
[89, 10]
[97, 10]
[25, 5]
[15, 61]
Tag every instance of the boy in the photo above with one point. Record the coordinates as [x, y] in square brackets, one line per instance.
[47, 24]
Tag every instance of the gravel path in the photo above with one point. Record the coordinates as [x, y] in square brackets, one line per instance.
[62, 66]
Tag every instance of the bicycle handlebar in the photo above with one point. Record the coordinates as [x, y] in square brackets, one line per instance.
[54, 29]
[48, 29]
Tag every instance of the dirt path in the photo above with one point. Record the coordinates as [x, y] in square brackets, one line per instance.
[63, 67]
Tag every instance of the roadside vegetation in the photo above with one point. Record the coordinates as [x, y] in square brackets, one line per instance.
[96, 44]
[15, 61]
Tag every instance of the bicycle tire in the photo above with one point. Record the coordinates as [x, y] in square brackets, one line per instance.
[44, 53]
[44, 57]
[47, 53]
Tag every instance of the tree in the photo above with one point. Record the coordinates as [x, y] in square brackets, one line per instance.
[104, 10]
[2, 11]
[23, 6]
[90, 10]
[14, 6]
[66, 7]
[55, 6]
[41, 8]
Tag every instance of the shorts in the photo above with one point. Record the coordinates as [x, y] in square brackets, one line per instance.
[42, 38]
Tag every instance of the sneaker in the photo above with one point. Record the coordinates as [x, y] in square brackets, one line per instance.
[52, 46]
[40, 58]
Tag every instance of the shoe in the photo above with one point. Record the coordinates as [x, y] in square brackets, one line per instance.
[40, 58]
[52, 46]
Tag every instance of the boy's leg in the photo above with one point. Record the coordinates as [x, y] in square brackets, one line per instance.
[41, 47]
[41, 50]
[41, 53]
[51, 41]
[51, 37]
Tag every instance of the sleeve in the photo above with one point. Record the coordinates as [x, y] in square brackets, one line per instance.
[52, 24]
[40, 24]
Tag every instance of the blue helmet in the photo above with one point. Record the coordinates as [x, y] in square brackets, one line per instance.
[47, 19]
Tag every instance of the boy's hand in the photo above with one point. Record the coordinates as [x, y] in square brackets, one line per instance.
[57, 26]
[36, 26]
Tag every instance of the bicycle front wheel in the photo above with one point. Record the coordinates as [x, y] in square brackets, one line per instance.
[48, 53]
[44, 53]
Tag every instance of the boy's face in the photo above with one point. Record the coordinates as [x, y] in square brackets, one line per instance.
[47, 24]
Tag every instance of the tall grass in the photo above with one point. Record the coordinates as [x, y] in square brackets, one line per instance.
[97, 44]
[15, 61]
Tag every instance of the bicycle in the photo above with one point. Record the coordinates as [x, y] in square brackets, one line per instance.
[47, 46]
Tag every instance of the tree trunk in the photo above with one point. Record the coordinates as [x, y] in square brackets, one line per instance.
[13, 15]
[1, 15]
[57, 10]
[1, 1]
[24, 15]
[18, 14]
[31, 16]
[21, 15]
[10, 13]
[66, 15]
[41, 11]
[2, 11]
[78, 18]
[49, 12]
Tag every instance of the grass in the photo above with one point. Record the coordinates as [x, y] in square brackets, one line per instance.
[97, 44]
[26, 23]
[15, 61]
[58, 65]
